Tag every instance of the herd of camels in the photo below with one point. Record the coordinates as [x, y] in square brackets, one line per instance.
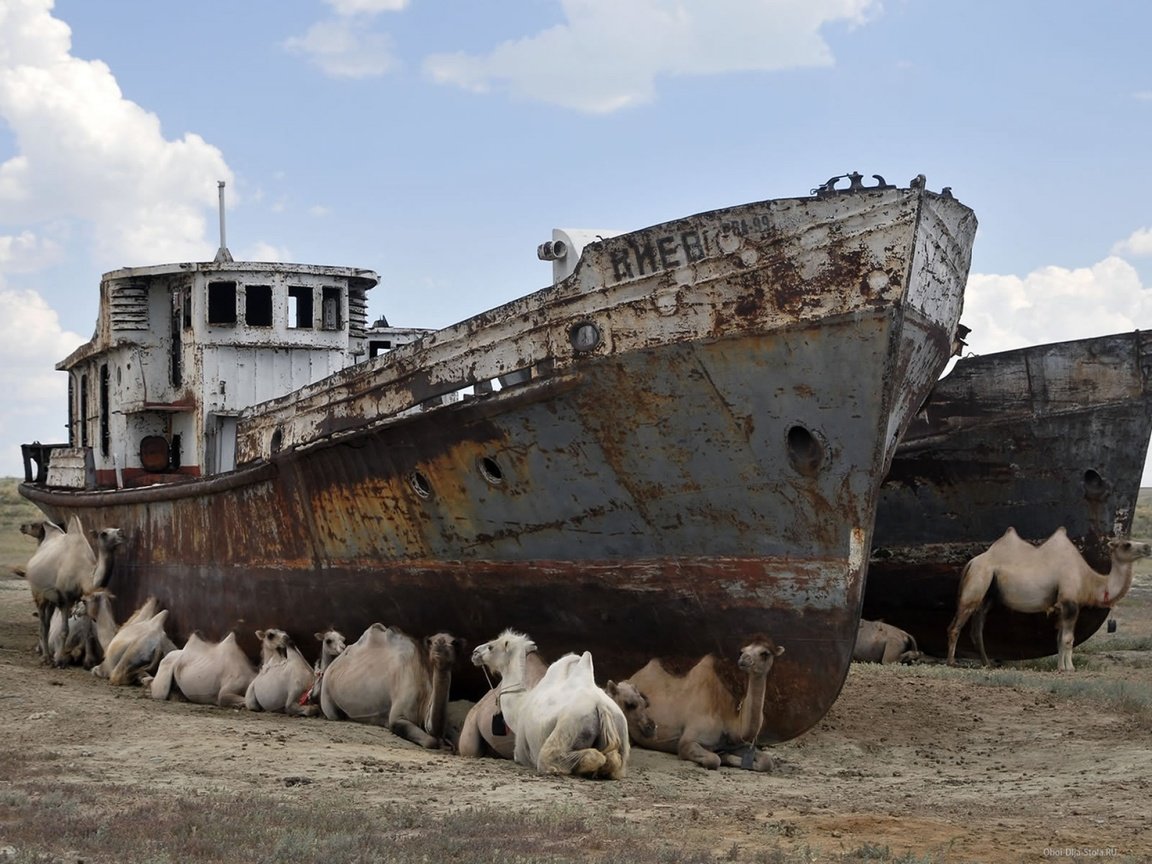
[552, 717]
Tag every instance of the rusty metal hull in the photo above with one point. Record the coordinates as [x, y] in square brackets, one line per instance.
[706, 470]
[1039, 438]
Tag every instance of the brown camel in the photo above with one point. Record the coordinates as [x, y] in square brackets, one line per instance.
[1051, 577]
[387, 678]
[284, 677]
[210, 673]
[878, 642]
[64, 568]
[703, 716]
[634, 704]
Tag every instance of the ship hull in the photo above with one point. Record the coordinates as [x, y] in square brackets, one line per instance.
[708, 470]
[1037, 439]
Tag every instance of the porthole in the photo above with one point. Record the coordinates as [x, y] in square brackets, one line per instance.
[584, 336]
[490, 470]
[420, 484]
[277, 440]
[1095, 487]
[804, 451]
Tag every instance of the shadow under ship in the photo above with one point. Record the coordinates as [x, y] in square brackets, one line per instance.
[676, 446]
[1036, 438]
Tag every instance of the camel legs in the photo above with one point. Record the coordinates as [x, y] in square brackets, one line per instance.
[761, 760]
[977, 632]
[1069, 612]
[963, 613]
[693, 751]
[412, 732]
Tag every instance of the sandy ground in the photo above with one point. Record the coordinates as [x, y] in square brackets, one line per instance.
[920, 759]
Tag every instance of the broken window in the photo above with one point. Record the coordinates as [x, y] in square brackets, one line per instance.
[330, 309]
[83, 410]
[105, 430]
[376, 347]
[258, 305]
[299, 307]
[221, 302]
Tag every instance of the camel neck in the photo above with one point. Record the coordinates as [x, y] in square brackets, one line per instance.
[438, 702]
[105, 626]
[752, 709]
[1116, 584]
[103, 565]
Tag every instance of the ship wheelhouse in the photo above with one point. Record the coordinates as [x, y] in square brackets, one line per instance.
[181, 350]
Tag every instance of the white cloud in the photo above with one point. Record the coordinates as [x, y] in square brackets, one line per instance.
[366, 7]
[1138, 244]
[27, 252]
[608, 55]
[1054, 304]
[343, 48]
[86, 153]
[265, 252]
[1143, 95]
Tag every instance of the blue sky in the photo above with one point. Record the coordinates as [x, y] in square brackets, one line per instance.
[439, 142]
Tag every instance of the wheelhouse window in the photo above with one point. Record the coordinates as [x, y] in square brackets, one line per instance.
[376, 347]
[299, 307]
[330, 309]
[221, 303]
[105, 428]
[258, 305]
[83, 412]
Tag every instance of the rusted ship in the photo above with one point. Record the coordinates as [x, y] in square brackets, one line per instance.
[1036, 438]
[678, 444]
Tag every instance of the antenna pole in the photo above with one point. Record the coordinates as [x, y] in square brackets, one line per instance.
[222, 254]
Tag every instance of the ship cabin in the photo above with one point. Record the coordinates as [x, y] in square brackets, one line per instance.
[181, 350]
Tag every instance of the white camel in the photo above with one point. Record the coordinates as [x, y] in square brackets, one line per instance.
[388, 678]
[136, 648]
[563, 725]
[64, 568]
[210, 673]
[1051, 577]
[332, 645]
[284, 679]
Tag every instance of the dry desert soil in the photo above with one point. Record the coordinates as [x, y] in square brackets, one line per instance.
[913, 763]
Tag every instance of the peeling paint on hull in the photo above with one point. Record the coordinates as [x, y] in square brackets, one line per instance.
[1039, 438]
[706, 471]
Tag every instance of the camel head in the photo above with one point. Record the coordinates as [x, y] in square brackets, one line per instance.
[107, 538]
[273, 642]
[1124, 551]
[95, 600]
[332, 643]
[497, 655]
[634, 704]
[443, 649]
[35, 530]
[757, 657]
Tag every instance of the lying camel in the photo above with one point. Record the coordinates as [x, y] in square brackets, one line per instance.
[64, 568]
[284, 677]
[386, 677]
[485, 730]
[1051, 577]
[878, 642]
[703, 716]
[565, 724]
[210, 673]
[634, 704]
[332, 645]
[135, 650]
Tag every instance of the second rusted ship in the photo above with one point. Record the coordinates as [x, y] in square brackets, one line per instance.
[675, 446]
[1038, 438]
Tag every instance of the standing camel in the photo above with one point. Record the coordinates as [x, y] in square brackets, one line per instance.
[1051, 577]
[64, 568]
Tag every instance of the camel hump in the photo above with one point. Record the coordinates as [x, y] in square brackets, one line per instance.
[585, 664]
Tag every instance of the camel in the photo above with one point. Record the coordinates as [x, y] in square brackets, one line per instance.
[64, 568]
[878, 642]
[388, 678]
[284, 677]
[634, 704]
[565, 724]
[136, 648]
[67, 634]
[703, 716]
[209, 673]
[484, 730]
[332, 645]
[1051, 577]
